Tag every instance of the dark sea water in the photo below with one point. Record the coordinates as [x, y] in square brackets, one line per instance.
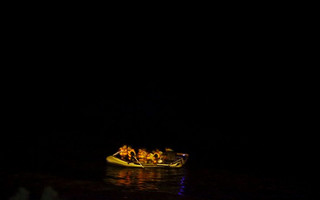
[95, 179]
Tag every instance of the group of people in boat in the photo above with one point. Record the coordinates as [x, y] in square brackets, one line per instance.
[156, 156]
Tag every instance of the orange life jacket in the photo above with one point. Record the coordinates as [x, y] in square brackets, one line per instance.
[131, 151]
[142, 155]
[157, 155]
[123, 151]
[150, 156]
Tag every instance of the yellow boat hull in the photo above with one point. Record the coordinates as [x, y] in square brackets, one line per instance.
[116, 161]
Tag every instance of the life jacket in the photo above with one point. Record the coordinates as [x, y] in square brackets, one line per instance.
[131, 153]
[142, 155]
[123, 151]
[156, 155]
[150, 156]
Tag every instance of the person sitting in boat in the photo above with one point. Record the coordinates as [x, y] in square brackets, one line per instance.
[157, 154]
[131, 154]
[161, 157]
[169, 155]
[123, 151]
[142, 155]
[150, 157]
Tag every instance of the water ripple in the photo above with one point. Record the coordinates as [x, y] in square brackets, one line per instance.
[148, 179]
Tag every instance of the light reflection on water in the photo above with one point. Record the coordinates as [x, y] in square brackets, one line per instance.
[148, 179]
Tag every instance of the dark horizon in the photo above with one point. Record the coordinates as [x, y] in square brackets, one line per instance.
[250, 125]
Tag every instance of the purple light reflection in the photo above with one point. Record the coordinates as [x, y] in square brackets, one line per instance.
[182, 186]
